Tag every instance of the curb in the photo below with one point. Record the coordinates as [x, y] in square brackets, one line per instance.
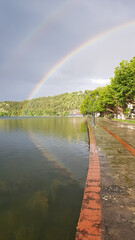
[89, 225]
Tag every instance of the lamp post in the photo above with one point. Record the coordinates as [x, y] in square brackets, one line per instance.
[94, 112]
[97, 96]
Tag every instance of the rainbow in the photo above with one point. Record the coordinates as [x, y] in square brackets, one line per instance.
[75, 51]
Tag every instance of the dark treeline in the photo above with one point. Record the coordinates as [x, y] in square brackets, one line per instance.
[62, 104]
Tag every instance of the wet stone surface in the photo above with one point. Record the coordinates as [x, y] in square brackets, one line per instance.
[117, 181]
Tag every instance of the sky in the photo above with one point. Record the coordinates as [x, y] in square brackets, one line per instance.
[49, 47]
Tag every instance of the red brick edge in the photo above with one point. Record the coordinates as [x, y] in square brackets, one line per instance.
[125, 144]
[89, 225]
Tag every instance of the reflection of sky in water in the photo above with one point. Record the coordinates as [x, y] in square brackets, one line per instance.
[43, 167]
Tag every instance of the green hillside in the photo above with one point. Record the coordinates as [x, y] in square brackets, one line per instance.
[62, 104]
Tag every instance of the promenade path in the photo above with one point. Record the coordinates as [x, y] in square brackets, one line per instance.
[109, 196]
[117, 180]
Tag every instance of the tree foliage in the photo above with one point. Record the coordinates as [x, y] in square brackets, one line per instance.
[44, 106]
[123, 83]
[120, 92]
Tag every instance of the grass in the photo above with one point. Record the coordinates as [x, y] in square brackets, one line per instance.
[120, 120]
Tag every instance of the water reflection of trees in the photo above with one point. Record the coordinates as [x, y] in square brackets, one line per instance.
[70, 128]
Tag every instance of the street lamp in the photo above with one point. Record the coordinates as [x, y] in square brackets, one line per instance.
[97, 96]
[94, 112]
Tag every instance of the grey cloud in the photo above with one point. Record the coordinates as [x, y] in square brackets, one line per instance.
[26, 55]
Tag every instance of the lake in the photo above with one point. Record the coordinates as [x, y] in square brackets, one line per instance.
[43, 168]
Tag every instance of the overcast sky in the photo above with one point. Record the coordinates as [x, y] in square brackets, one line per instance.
[35, 35]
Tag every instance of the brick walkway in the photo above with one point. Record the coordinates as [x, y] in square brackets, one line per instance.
[89, 226]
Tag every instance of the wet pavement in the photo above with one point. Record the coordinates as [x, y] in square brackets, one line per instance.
[117, 180]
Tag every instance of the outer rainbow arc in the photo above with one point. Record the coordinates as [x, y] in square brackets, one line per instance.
[36, 32]
[77, 50]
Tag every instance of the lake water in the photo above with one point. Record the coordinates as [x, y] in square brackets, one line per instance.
[43, 168]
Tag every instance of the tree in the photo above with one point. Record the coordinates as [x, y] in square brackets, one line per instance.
[89, 102]
[106, 100]
[123, 83]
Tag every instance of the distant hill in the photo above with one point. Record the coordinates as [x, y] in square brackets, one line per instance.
[62, 104]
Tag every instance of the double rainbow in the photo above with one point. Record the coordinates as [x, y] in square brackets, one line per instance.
[75, 51]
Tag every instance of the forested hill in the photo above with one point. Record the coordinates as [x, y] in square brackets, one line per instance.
[62, 104]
